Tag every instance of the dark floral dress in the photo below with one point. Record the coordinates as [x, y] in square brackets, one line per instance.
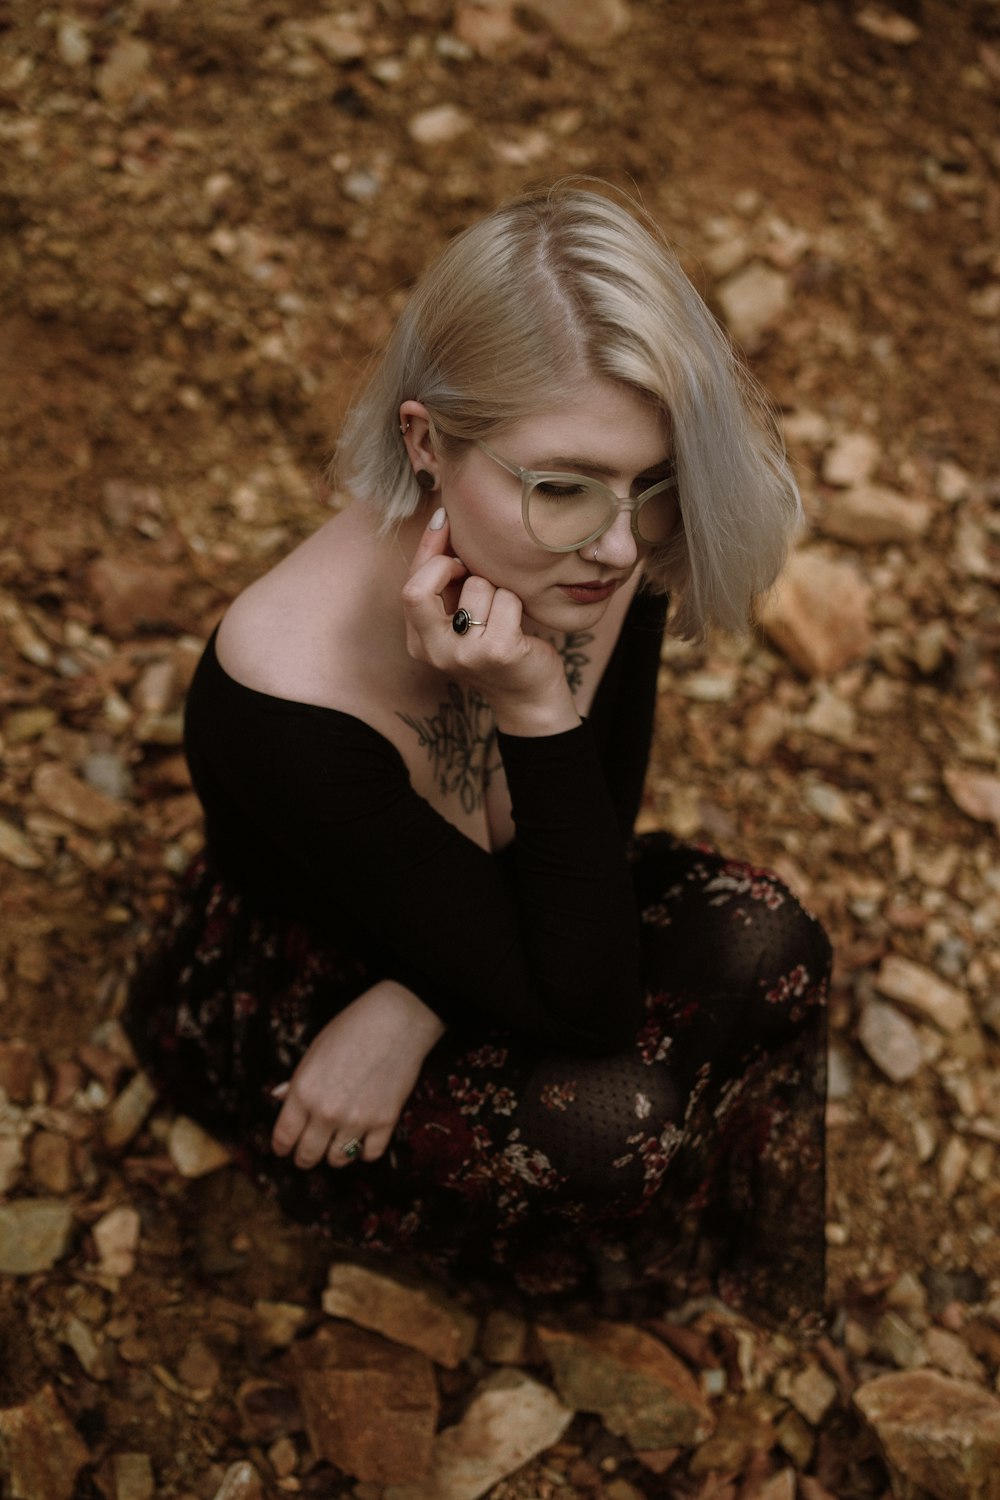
[690, 1161]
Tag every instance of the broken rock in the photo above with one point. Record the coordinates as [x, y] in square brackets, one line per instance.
[921, 991]
[370, 1406]
[511, 1418]
[439, 125]
[116, 1236]
[34, 1234]
[851, 459]
[421, 1317]
[818, 614]
[640, 1389]
[193, 1151]
[63, 793]
[125, 1116]
[870, 514]
[41, 1453]
[939, 1433]
[582, 23]
[891, 1041]
[753, 300]
[241, 1482]
[976, 793]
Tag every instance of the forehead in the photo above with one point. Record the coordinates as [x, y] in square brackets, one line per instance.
[606, 427]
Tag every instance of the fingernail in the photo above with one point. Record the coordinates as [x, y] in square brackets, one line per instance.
[279, 1091]
[438, 519]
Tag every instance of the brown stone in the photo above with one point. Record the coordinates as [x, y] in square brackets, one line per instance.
[126, 1114]
[18, 1070]
[753, 299]
[921, 991]
[16, 849]
[890, 1040]
[116, 1238]
[850, 459]
[241, 1482]
[938, 1433]
[133, 595]
[133, 1476]
[504, 1338]
[641, 1391]
[421, 1317]
[268, 1409]
[976, 793]
[41, 1453]
[818, 615]
[50, 1159]
[582, 23]
[510, 1419]
[370, 1406]
[119, 77]
[744, 1428]
[34, 1234]
[63, 793]
[870, 514]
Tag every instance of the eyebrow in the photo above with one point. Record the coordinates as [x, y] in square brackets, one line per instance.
[576, 464]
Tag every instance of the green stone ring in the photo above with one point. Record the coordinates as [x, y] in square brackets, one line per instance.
[351, 1149]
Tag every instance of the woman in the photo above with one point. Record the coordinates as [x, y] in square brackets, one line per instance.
[422, 974]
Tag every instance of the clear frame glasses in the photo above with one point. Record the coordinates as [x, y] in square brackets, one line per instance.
[564, 512]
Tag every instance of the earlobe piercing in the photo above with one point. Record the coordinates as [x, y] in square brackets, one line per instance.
[425, 479]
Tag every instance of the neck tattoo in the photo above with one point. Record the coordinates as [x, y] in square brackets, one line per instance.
[574, 657]
[460, 742]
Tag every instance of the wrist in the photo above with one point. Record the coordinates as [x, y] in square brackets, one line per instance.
[520, 716]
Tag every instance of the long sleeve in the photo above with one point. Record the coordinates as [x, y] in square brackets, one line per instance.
[312, 812]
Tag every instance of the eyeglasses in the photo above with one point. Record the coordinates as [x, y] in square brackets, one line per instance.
[563, 512]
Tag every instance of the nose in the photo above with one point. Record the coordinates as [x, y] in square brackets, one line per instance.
[617, 547]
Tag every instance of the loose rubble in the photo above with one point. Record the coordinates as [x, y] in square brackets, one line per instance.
[210, 219]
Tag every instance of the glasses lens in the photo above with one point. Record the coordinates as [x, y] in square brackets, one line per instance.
[565, 512]
[657, 516]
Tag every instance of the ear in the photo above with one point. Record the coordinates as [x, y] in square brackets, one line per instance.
[415, 427]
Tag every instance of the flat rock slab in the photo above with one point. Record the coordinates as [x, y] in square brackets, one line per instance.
[640, 1389]
[420, 1317]
[510, 1420]
[939, 1433]
[370, 1406]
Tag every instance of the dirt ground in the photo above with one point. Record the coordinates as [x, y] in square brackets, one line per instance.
[210, 215]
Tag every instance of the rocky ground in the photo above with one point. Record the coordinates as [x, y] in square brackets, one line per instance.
[211, 213]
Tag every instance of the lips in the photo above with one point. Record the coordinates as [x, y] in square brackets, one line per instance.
[589, 593]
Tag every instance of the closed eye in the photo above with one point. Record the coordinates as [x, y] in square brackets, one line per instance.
[559, 491]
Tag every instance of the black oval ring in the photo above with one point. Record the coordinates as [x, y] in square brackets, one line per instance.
[461, 621]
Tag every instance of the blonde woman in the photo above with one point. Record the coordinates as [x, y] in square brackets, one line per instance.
[423, 974]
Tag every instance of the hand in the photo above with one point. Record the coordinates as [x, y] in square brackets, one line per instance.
[355, 1078]
[520, 676]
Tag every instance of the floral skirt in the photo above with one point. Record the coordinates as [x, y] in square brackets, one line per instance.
[691, 1161]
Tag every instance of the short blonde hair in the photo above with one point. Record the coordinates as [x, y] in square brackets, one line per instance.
[541, 295]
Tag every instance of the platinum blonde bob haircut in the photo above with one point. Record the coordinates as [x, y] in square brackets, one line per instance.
[530, 303]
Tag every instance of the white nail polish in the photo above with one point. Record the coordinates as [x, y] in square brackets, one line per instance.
[438, 519]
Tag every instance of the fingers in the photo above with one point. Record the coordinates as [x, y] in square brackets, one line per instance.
[312, 1137]
[288, 1126]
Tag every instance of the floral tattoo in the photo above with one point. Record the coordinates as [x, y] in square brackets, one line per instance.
[574, 658]
[460, 742]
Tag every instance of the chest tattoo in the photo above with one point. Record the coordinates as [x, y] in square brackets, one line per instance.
[460, 740]
[574, 657]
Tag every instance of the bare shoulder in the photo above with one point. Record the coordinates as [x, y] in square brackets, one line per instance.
[282, 635]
